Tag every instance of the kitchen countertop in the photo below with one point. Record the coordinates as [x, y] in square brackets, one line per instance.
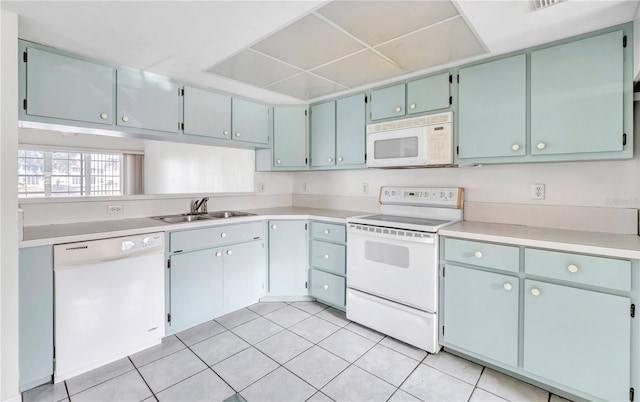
[83, 231]
[607, 244]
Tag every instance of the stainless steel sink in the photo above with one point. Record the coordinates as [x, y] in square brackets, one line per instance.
[199, 217]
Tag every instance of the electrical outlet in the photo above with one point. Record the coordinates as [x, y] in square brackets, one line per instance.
[365, 188]
[305, 187]
[261, 187]
[115, 209]
[537, 191]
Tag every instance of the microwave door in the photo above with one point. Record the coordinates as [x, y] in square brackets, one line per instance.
[395, 149]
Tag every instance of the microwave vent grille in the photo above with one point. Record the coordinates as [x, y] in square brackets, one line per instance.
[409, 123]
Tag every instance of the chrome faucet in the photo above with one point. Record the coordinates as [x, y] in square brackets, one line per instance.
[199, 204]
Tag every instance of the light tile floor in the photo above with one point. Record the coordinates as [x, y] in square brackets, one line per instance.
[298, 351]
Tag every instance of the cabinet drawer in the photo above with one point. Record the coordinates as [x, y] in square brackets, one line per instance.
[588, 270]
[506, 258]
[328, 256]
[328, 231]
[328, 287]
[215, 236]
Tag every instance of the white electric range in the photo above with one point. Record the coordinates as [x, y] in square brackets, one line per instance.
[392, 263]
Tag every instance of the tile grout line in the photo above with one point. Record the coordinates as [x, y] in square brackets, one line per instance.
[407, 377]
[102, 382]
[143, 379]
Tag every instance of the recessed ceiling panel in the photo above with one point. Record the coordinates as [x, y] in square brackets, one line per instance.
[306, 86]
[253, 68]
[440, 44]
[361, 68]
[375, 22]
[308, 43]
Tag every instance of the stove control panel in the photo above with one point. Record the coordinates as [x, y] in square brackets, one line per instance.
[444, 197]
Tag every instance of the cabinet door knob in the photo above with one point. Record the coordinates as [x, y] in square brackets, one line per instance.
[541, 145]
[104, 116]
[478, 254]
[340, 159]
[326, 287]
[507, 286]
[229, 252]
[412, 106]
[218, 254]
[274, 227]
[398, 109]
[278, 161]
[223, 235]
[237, 134]
[327, 231]
[573, 268]
[515, 147]
[326, 256]
[535, 292]
[125, 118]
[225, 132]
[330, 159]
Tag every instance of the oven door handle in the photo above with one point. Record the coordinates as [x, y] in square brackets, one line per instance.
[426, 238]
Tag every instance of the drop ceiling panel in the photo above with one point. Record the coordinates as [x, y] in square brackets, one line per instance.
[381, 21]
[253, 68]
[361, 68]
[440, 44]
[308, 43]
[306, 86]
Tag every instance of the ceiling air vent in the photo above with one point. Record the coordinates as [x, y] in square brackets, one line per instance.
[540, 4]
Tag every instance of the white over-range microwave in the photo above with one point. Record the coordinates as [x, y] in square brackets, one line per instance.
[416, 142]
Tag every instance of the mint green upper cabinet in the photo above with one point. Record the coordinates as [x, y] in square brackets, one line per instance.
[350, 130]
[64, 87]
[323, 134]
[288, 257]
[388, 102]
[148, 101]
[290, 136]
[244, 274]
[250, 121]
[481, 313]
[426, 94]
[206, 113]
[577, 96]
[578, 338]
[492, 104]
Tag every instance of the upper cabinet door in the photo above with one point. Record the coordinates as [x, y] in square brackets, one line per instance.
[323, 134]
[427, 94]
[289, 136]
[492, 117]
[388, 102]
[350, 130]
[250, 121]
[577, 96]
[146, 100]
[68, 88]
[206, 113]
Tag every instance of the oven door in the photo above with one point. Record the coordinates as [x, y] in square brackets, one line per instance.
[400, 268]
[403, 147]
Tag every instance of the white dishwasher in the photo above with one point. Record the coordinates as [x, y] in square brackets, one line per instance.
[109, 300]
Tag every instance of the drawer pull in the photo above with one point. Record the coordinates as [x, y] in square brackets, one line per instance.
[274, 227]
[218, 254]
[327, 231]
[535, 292]
[326, 287]
[223, 235]
[507, 286]
[326, 256]
[229, 252]
[515, 147]
[573, 268]
[478, 254]
[541, 145]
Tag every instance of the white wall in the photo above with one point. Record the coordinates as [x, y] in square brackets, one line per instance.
[8, 206]
[72, 140]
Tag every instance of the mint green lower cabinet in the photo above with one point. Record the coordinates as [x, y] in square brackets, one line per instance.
[288, 257]
[250, 121]
[328, 288]
[388, 102]
[350, 130]
[328, 256]
[35, 312]
[206, 113]
[196, 290]
[481, 313]
[323, 134]
[578, 338]
[244, 274]
[427, 94]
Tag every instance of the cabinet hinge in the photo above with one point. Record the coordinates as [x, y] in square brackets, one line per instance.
[458, 150]
[631, 394]
[450, 100]
[306, 161]
[24, 104]
[443, 272]
[458, 78]
[450, 79]
[624, 139]
[169, 317]
[366, 99]
[25, 56]
[306, 285]
[305, 112]
[443, 330]
[182, 126]
[624, 41]
[180, 91]
[305, 226]
[365, 157]
[168, 264]
[633, 311]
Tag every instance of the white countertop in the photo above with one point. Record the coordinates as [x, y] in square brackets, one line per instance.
[607, 244]
[83, 231]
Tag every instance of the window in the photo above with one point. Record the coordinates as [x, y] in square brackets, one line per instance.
[69, 173]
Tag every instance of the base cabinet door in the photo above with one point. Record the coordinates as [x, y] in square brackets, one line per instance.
[196, 287]
[288, 258]
[244, 274]
[481, 313]
[578, 338]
